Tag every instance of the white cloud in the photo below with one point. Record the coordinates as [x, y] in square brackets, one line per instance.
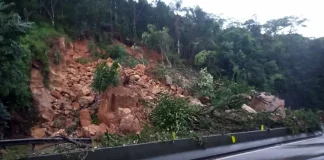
[266, 10]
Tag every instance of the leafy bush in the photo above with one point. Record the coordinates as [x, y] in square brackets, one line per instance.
[224, 94]
[116, 51]
[204, 85]
[105, 76]
[127, 61]
[301, 121]
[201, 57]
[171, 114]
[119, 54]
[230, 95]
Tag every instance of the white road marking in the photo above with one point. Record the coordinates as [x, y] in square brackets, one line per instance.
[279, 145]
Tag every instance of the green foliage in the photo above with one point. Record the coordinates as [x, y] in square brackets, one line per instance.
[159, 72]
[15, 152]
[175, 60]
[301, 121]
[201, 57]
[14, 65]
[171, 114]
[94, 119]
[120, 55]
[93, 48]
[146, 135]
[116, 51]
[158, 39]
[4, 117]
[204, 86]
[269, 56]
[57, 56]
[37, 42]
[224, 94]
[127, 61]
[230, 95]
[105, 76]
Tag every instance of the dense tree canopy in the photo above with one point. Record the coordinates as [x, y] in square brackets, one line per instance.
[270, 57]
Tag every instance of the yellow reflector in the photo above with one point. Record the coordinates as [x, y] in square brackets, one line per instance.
[233, 139]
[174, 136]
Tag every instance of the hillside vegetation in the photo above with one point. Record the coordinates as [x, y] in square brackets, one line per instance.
[184, 71]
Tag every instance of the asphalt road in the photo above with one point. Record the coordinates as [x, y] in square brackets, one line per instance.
[309, 149]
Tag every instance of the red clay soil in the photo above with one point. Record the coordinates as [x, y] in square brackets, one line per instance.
[70, 93]
[151, 55]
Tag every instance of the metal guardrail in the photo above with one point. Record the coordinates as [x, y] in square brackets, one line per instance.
[39, 141]
[178, 149]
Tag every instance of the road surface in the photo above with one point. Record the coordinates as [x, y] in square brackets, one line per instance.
[310, 149]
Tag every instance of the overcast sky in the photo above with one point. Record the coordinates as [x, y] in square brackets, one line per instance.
[266, 10]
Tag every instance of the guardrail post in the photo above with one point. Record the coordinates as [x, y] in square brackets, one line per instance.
[33, 148]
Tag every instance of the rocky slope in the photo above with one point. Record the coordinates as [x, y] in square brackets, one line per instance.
[70, 108]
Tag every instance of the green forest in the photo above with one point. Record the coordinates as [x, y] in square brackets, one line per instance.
[270, 57]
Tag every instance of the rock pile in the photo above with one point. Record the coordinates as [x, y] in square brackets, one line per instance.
[263, 102]
[69, 107]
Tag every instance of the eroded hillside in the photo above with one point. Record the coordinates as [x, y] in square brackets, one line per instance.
[71, 108]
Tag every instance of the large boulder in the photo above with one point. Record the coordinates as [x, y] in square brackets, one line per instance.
[140, 68]
[85, 101]
[204, 100]
[38, 132]
[91, 130]
[85, 118]
[195, 101]
[114, 98]
[263, 102]
[47, 113]
[248, 109]
[129, 124]
[95, 130]
[42, 98]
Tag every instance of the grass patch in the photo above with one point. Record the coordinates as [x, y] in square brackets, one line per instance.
[16, 152]
[37, 42]
[94, 119]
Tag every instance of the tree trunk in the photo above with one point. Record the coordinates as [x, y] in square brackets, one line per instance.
[134, 25]
[178, 47]
[178, 34]
[166, 57]
[111, 21]
[53, 22]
